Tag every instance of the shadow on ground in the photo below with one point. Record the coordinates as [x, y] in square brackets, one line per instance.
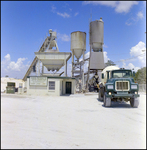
[117, 104]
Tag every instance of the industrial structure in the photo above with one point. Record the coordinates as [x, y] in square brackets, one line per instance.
[96, 58]
[96, 41]
[49, 58]
[78, 48]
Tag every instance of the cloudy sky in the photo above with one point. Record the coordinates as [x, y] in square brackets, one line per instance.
[25, 24]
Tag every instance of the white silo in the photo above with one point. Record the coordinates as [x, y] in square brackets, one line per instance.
[96, 41]
[78, 43]
[96, 35]
[78, 48]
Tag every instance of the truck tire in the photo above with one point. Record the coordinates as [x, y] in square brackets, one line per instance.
[107, 101]
[101, 95]
[134, 102]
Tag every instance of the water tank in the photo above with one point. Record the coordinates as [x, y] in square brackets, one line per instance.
[96, 32]
[78, 43]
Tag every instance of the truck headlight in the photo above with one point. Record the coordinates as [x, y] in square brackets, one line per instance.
[109, 93]
[109, 86]
[133, 86]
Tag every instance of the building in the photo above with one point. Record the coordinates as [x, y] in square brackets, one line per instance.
[39, 82]
[50, 85]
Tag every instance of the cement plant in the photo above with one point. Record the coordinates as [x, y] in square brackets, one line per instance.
[100, 108]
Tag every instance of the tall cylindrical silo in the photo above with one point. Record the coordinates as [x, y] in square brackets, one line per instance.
[78, 43]
[96, 35]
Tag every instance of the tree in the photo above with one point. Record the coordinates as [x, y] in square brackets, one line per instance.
[140, 76]
[109, 63]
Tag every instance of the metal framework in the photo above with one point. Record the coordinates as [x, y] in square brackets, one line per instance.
[46, 44]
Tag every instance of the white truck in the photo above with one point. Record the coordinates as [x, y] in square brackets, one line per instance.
[117, 84]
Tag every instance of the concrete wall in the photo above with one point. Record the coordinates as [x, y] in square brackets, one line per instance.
[36, 90]
[57, 87]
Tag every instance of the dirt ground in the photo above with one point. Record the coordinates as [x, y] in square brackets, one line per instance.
[76, 122]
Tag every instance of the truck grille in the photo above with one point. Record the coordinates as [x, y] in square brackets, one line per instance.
[122, 86]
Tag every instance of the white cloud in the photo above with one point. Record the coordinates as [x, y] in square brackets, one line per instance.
[105, 46]
[140, 15]
[106, 3]
[7, 57]
[125, 6]
[137, 49]
[53, 8]
[105, 57]
[16, 66]
[64, 15]
[10, 67]
[130, 66]
[63, 37]
[5, 62]
[137, 55]
[137, 52]
[128, 24]
[120, 6]
[86, 55]
[133, 20]
[76, 13]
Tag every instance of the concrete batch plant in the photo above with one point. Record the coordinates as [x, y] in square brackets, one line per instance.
[51, 83]
[53, 60]
[96, 58]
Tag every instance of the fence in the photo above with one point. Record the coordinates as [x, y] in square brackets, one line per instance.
[142, 87]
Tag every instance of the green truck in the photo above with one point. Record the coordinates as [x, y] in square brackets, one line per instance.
[118, 85]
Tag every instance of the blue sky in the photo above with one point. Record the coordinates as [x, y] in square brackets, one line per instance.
[25, 24]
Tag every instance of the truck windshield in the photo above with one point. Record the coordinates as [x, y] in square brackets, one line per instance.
[121, 74]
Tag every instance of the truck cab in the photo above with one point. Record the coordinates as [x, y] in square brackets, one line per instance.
[119, 85]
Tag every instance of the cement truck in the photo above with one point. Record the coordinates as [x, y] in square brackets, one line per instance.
[117, 84]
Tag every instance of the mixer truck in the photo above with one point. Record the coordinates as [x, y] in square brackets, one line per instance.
[117, 84]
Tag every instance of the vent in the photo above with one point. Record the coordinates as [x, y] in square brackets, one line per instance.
[122, 86]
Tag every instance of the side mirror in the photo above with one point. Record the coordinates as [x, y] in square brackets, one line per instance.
[134, 73]
[102, 76]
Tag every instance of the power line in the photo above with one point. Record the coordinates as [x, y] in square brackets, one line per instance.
[129, 58]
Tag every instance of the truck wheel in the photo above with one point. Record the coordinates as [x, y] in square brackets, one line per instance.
[107, 101]
[100, 95]
[134, 102]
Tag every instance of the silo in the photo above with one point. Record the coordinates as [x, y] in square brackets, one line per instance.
[96, 34]
[96, 41]
[78, 48]
[78, 43]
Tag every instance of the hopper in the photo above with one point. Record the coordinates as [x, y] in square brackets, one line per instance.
[53, 60]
